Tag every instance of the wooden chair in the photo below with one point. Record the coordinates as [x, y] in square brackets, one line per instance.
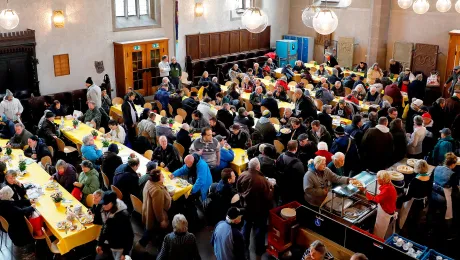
[51, 245]
[63, 148]
[179, 148]
[154, 90]
[162, 113]
[106, 181]
[290, 94]
[271, 88]
[193, 89]
[292, 83]
[312, 62]
[102, 130]
[117, 101]
[148, 154]
[274, 120]
[184, 79]
[182, 113]
[278, 146]
[178, 119]
[309, 86]
[319, 104]
[148, 105]
[25, 147]
[248, 105]
[117, 191]
[282, 109]
[51, 151]
[170, 109]
[5, 227]
[267, 78]
[146, 135]
[305, 81]
[347, 91]
[365, 81]
[79, 149]
[262, 109]
[31, 230]
[186, 92]
[313, 70]
[158, 104]
[89, 200]
[228, 83]
[137, 203]
[45, 160]
[388, 98]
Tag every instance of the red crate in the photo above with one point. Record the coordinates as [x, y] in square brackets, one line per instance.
[275, 249]
[280, 228]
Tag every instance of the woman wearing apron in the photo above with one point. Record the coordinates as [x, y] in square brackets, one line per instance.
[444, 180]
[386, 200]
[415, 200]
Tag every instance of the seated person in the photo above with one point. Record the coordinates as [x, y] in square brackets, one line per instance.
[165, 130]
[234, 72]
[247, 85]
[166, 155]
[110, 162]
[342, 110]
[287, 70]
[117, 132]
[361, 91]
[338, 89]
[126, 179]
[324, 94]
[19, 192]
[49, 130]
[20, 138]
[37, 148]
[7, 128]
[57, 109]
[299, 67]
[280, 94]
[88, 180]
[239, 138]
[92, 116]
[372, 97]
[65, 175]
[148, 125]
[89, 150]
[218, 128]
[198, 122]
[245, 119]
[285, 118]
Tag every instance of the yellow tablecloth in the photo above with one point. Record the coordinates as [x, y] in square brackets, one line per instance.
[76, 136]
[52, 214]
[239, 164]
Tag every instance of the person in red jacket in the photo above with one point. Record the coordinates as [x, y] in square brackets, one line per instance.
[387, 203]
[395, 93]
[323, 151]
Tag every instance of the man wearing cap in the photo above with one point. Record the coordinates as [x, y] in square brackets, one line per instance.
[305, 150]
[195, 166]
[166, 155]
[49, 130]
[345, 144]
[190, 104]
[264, 129]
[226, 156]
[453, 78]
[11, 107]
[126, 179]
[208, 147]
[92, 115]
[110, 162]
[93, 93]
[227, 240]
[116, 237]
[239, 138]
[37, 148]
[88, 181]
[445, 144]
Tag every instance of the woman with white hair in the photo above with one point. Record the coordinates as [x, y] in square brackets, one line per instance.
[19, 192]
[318, 181]
[338, 161]
[415, 200]
[183, 138]
[361, 91]
[179, 244]
[89, 150]
[65, 175]
[317, 251]
[416, 108]
[372, 97]
[386, 200]
[323, 151]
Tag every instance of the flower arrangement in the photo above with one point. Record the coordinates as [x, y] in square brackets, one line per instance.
[105, 143]
[272, 80]
[75, 123]
[9, 151]
[56, 197]
[392, 76]
[170, 122]
[94, 134]
[22, 166]
[316, 63]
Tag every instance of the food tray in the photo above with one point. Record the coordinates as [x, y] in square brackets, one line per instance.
[431, 255]
[415, 246]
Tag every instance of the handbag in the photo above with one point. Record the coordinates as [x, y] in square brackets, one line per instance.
[36, 220]
[77, 193]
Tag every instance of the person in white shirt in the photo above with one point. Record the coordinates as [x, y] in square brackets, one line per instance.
[11, 107]
[117, 132]
[164, 67]
[94, 92]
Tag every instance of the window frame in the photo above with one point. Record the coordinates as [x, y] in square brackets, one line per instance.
[137, 22]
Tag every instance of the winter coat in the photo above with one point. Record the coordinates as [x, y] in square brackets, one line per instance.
[47, 131]
[416, 89]
[183, 138]
[220, 129]
[89, 152]
[11, 108]
[443, 176]
[256, 101]
[326, 120]
[179, 246]
[443, 146]
[90, 181]
[356, 133]
[348, 82]
[106, 104]
[452, 109]
[207, 110]
[289, 180]
[91, 115]
[41, 150]
[439, 117]
[266, 130]
[377, 148]
[338, 92]
[324, 136]
[324, 95]
[305, 108]
[189, 105]
[19, 192]
[256, 194]
[127, 181]
[200, 169]
[241, 140]
[169, 156]
[347, 146]
[94, 94]
[163, 96]
[14, 213]
[226, 157]
[245, 121]
[267, 166]
[166, 131]
[414, 145]
[21, 140]
[110, 162]
[7, 131]
[272, 106]
[314, 183]
[199, 124]
[117, 229]
[228, 241]
[400, 145]
[394, 92]
[138, 99]
[302, 129]
[413, 111]
[67, 179]
[373, 99]
[225, 117]
[307, 152]
[155, 206]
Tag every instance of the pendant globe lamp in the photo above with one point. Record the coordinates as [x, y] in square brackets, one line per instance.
[308, 14]
[9, 19]
[421, 6]
[254, 20]
[443, 5]
[457, 6]
[404, 4]
[346, 3]
[325, 22]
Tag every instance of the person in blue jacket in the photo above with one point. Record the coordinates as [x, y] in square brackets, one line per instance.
[7, 130]
[226, 154]
[89, 150]
[163, 96]
[445, 144]
[195, 166]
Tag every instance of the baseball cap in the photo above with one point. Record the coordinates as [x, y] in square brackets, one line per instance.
[426, 115]
[445, 131]
[302, 137]
[109, 196]
[234, 213]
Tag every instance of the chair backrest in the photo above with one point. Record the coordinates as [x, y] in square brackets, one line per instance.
[305, 81]
[248, 105]
[49, 243]
[148, 154]
[271, 88]
[60, 144]
[117, 101]
[89, 200]
[45, 160]
[319, 104]
[282, 109]
[347, 91]
[179, 148]
[228, 83]
[186, 92]
[388, 98]
[106, 180]
[179, 119]
[170, 108]
[4, 224]
[193, 89]
[159, 105]
[292, 83]
[278, 146]
[262, 109]
[29, 226]
[117, 191]
[148, 105]
[51, 150]
[102, 130]
[182, 113]
[137, 203]
[274, 120]
[162, 113]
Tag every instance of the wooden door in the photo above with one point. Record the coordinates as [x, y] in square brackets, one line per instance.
[244, 40]
[453, 56]
[214, 44]
[193, 46]
[234, 41]
[204, 46]
[224, 43]
[137, 63]
[154, 52]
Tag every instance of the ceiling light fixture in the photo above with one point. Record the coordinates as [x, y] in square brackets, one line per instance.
[325, 22]
[9, 19]
[254, 20]
[404, 4]
[421, 6]
[443, 5]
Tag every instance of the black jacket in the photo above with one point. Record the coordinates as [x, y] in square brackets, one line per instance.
[326, 120]
[332, 62]
[400, 145]
[138, 100]
[126, 108]
[57, 112]
[225, 117]
[307, 152]
[416, 89]
[332, 79]
[14, 212]
[110, 162]
[41, 150]
[241, 140]
[127, 181]
[301, 130]
[47, 131]
[305, 108]
[183, 138]
[272, 106]
[220, 129]
[438, 116]
[189, 105]
[265, 130]
[213, 89]
[290, 179]
[245, 121]
[267, 166]
[68, 178]
[355, 132]
[19, 191]
[169, 156]
[348, 82]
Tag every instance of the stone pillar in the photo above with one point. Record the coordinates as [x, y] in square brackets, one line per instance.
[378, 35]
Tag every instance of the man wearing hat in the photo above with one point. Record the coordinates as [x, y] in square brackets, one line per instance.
[345, 144]
[11, 107]
[227, 239]
[264, 129]
[94, 92]
[428, 121]
[239, 138]
[110, 161]
[226, 156]
[342, 109]
[49, 130]
[116, 237]
[92, 116]
[37, 148]
[444, 145]
[88, 180]
[453, 78]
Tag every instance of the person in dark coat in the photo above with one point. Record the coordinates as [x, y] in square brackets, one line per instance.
[126, 180]
[345, 144]
[37, 148]
[305, 150]
[371, 122]
[354, 129]
[395, 67]
[110, 162]
[265, 128]
[377, 147]
[395, 93]
[218, 128]
[304, 106]
[349, 81]
[437, 112]
[14, 212]
[415, 109]
[130, 116]
[416, 88]
[452, 108]
[334, 78]
[166, 155]
[267, 161]
[331, 60]
[239, 138]
[225, 115]
[190, 104]
[325, 118]
[65, 175]
[297, 128]
[291, 172]
[49, 130]
[57, 109]
[19, 192]
[227, 240]
[183, 138]
[245, 119]
[221, 194]
[271, 104]
[138, 100]
[318, 133]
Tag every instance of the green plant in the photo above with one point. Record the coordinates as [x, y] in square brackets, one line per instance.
[94, 133]
[105, 143]
[392, 75]
[316, 63]
[272, 80]
[170, 121]
[75, 122]
[8, 151]
[22, 166]
[56, 197]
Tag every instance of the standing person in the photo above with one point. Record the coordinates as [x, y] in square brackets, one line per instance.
[452, 108]
[93, 93]
[414, 145]
[130, 116]
[175, 73]
[377, 147]
[256, 195]
[117, 233]
[386, 200]
[416, 88]
[437, 112]
[445, 145]
[399, 140]
[106, 101]
[265, 128]
[395, 67]
[306, 150]
[11, 107]
[19, 140]
[291, 172]
[304, 106]
[164, 67]
[227, 240]
[110, 162]
[345, 144]
[126, 179]
[331, 60]
[271, 104]
[355, 129]
[453, 78]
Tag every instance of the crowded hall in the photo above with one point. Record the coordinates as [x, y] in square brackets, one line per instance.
[229, 129]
